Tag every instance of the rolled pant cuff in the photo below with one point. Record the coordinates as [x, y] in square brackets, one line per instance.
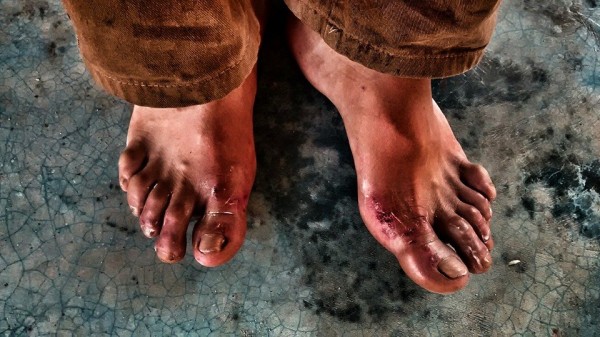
[411, 61]
[167, 53]
[420, 64]
[170, 94]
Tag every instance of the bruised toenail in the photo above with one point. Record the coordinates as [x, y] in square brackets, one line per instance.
[452, 267]
[211, 243]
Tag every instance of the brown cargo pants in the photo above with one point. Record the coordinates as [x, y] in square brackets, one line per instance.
[170, 53]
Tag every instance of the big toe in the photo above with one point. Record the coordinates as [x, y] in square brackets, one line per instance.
[218, 237]
[431, 264]
[422, 255]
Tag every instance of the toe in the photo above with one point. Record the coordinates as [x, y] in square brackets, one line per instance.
[467, 244]
[170, 245]
[433, 265]
[477, 177]
[219, 235]
[476, 219]
[139, 186]
[476, 199]
[422, 255]
[489, 244]
[131, 161]
[154, 210]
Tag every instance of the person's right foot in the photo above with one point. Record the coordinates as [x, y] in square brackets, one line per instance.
[194, 159]
[417, 189]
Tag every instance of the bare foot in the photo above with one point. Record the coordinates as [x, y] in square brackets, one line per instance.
[417, 190]
[193, 160]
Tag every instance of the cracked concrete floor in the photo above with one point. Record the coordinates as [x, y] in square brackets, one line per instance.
[72, 260]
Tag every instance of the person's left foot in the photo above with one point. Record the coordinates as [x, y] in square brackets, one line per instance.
[199, 158]
[417, 190]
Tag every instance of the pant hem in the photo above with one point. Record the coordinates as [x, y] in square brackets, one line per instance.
[171, 94]
[412, 63]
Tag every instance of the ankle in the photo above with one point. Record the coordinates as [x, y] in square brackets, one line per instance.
[400, 102]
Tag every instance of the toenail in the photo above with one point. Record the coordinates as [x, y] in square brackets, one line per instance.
[486, 237]
[452, 267]
[166, 257]
[133, 210]
[487, 261]
[211, 243]
[149, 231]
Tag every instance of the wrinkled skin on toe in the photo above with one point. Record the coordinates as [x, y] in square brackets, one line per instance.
[419, 195]
[192, 161]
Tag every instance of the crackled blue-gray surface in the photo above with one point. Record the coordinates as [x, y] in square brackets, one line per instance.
[73, 262]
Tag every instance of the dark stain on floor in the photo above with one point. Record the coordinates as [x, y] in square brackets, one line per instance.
[122, 229]
[529, 205]
[353, 278]
[575, 186]
[493, 81]
[31, 8]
